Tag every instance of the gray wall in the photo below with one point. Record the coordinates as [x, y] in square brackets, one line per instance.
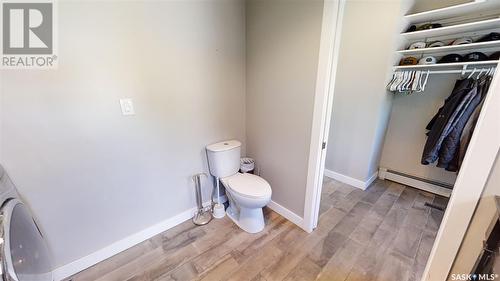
[92, 176]
[406, 137]
[282, 58]
[361, 105]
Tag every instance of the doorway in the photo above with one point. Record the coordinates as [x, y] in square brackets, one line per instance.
[319, 198]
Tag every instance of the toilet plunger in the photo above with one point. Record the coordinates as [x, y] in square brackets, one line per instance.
[219, 211]
[202, 216]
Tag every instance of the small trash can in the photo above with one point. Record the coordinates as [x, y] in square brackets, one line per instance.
[247, 165]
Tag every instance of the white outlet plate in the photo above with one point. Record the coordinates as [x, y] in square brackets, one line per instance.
[127, 107]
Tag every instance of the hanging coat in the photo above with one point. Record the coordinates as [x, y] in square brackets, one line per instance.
[451, 143]
[443, 122]
[455, 164]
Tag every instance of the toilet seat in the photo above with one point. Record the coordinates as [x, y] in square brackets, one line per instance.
[248, 185]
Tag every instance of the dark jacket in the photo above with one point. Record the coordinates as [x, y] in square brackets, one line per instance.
[451, 143]
[447, 117]
[468, 129]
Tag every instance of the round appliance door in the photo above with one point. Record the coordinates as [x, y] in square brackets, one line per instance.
[25, 256]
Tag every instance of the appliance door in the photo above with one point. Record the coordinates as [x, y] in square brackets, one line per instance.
[24, 252]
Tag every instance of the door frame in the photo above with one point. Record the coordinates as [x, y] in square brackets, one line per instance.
[470, 182]
[331, 31]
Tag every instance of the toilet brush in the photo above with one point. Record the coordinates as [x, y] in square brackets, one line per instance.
[218, 211]
[202, 216]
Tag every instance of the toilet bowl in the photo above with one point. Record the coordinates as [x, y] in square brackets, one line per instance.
[248, 195]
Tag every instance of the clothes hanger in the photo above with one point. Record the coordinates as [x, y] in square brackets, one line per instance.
[394, 85]
[411, 76]
[487, 73]
[407, 82]
[413, 84]
[480, 73]
[415, 81]
[426, 79]
[388, 87]
[472, 73]
[421, 82]
[403, 80]
[492, 71]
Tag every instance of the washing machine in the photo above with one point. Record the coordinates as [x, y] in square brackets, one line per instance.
[24, 255]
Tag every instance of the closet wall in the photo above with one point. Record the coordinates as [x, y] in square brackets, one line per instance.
[361, 105]
[405, 137]
[282, 49]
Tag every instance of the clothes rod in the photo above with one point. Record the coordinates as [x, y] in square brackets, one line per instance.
[449, 71]
[455, 71]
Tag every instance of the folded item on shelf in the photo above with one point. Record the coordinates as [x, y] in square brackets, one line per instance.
[462, 41]
[408, 61]
[475, 56]
[435, 44]
[493, 36]
[412, 28]
[425, 26]
[451, 58]
[417, 45]
[427, 60]
[429, 26]
[494, 56]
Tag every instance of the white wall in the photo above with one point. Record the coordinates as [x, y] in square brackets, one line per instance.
[361, 105]
[92, 176]
[282, 59]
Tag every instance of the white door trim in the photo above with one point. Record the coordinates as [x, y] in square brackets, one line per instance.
[328, 58]
[474, 173]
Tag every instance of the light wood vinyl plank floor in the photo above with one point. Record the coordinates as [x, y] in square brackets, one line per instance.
[383, 233]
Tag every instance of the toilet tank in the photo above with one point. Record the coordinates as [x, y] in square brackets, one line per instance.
[224, 158]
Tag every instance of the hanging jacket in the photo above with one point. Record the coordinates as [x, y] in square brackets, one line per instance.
[468, 130]
[451, 143]
[442, 123]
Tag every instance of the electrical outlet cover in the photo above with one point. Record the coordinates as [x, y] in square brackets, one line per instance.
[127, 107]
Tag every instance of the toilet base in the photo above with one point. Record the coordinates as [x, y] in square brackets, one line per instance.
[250, 220]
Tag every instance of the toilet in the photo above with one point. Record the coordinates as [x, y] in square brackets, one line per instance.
[248, 193]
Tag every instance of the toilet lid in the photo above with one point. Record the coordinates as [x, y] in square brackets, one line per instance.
[248, 185]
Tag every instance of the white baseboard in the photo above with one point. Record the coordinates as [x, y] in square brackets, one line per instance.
[414, 181]
[287, 214]
[351, 181]
[119, 246]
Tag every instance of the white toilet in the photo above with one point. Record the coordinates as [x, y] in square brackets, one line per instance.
[247, 193]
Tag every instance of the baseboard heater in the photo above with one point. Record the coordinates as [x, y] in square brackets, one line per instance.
[431, 186]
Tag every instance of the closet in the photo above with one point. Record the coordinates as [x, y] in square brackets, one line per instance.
[426, 77]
